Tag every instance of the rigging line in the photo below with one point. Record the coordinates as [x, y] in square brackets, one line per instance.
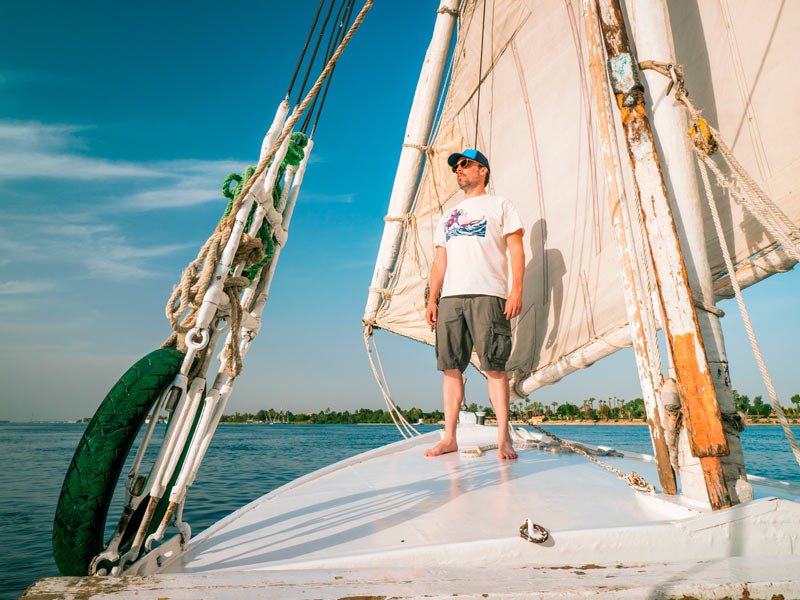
[303, 53]
[342, 28]
[314, 54]
[400, 416]
[737, 290]
[330, 77]
[405, 429]
[299, 110]
[480, 76]
[333, 34]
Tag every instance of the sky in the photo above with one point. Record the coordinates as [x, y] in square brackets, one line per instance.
[118, 123]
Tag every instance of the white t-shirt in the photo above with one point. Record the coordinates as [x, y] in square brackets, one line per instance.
[473, 233]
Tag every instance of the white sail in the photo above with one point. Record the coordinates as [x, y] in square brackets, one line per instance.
[537, 126]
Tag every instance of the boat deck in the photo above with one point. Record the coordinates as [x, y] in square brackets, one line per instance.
[391, 522]
[394, 504]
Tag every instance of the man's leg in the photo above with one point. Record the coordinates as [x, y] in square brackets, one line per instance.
[453, 394]
[498, 395]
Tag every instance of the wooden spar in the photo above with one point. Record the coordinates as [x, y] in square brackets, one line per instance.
[652, 34]
[748, 273]
[700, 407]
[753, 270]
[635, 295]
[420, 122]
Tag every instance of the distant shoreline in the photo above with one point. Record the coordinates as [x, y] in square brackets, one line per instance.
[620, 422]
[626, 422]
[588, 423]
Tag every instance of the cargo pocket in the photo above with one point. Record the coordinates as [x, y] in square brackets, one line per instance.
[499, 344]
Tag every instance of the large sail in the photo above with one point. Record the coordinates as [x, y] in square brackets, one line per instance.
[535, 122]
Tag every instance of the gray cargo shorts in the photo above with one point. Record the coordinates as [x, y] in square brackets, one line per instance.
[472, 320]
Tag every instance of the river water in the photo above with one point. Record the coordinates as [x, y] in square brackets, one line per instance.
[243, 463]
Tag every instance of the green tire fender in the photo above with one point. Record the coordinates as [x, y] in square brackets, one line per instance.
[95, 468]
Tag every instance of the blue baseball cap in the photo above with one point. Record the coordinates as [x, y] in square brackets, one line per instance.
[471, 154]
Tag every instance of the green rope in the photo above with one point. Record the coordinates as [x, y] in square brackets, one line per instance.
[294, 155]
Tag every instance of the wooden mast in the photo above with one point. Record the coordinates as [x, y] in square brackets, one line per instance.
[635, 296]
[700, 406]
[651, 32]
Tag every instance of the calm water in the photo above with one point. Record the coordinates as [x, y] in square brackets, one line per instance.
[243, 463]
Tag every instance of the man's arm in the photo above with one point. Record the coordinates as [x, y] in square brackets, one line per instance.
[437, 279]
[517, 254]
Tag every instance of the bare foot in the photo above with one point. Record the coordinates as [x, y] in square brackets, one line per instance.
[505, 450]
[442, 447]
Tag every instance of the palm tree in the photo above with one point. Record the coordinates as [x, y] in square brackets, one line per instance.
[796, 401]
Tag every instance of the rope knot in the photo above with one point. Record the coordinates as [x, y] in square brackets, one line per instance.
[250, 251]
[702, 137]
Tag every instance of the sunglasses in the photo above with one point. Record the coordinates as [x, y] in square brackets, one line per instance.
[463, 163]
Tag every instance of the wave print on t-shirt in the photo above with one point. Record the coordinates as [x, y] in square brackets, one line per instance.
[452, 228]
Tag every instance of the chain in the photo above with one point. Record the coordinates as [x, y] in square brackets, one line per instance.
[633, 479]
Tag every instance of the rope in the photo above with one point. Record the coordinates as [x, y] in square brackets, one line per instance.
[480, 76]
[768, 218]
[198, 274]
[531, 532]
[747, 193]
[333, 34]
[189, 294]
[405, 219]
[403, 426]
[633, 479]
[298, 112]
[410, 236]
[384, 293]
[316, 48]
[744, 189]
[333, 41]
[305, 47]
[417, 147]
[737, 290]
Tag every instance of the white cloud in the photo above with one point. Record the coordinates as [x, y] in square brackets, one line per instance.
[90, 239]
[30, 149]
[94, 249]
[188, 183]
[22, 165]
[13, 288]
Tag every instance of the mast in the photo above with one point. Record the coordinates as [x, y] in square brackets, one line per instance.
[636, 298]
[412, 156]
[698, 396]
[650, 27]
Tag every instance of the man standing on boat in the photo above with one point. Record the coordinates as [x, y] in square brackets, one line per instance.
[470, 270]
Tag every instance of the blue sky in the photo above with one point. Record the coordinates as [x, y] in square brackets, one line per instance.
[118, 124]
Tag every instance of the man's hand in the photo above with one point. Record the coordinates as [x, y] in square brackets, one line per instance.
[437, 278]
[431, 314]
[517, 254]
[513, 303]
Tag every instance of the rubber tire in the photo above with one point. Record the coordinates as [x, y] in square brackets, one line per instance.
[98, 460]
